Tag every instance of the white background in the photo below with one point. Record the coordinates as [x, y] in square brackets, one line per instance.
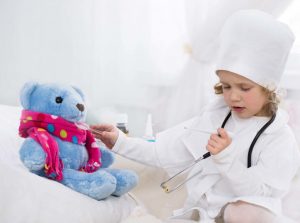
[128, 56]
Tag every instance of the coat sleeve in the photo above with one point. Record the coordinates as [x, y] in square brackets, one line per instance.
[136, 149]
[168, 151]
[271, 176]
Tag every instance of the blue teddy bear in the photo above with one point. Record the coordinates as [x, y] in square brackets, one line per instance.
[57, 148]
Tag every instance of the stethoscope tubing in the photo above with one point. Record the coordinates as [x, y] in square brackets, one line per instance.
[206, 155]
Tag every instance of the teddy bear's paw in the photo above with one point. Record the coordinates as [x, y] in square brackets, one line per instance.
[32, 155]
[98, 185]
[126, 180]
[107, 157]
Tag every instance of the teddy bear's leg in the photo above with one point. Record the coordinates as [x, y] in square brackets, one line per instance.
[97, 185]
[32, 155]
[126, 180]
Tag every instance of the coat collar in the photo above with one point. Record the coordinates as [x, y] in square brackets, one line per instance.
[212, 118]
[218, 105]
[280, 121]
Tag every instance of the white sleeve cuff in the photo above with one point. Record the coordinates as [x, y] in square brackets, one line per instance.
[225, 158]
[121, 138]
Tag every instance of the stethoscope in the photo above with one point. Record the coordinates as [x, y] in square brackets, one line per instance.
[164, 184]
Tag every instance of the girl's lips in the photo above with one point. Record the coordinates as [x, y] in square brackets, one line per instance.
[238, 109]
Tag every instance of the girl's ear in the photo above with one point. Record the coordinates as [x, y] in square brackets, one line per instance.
[26, 92]
[79, 91]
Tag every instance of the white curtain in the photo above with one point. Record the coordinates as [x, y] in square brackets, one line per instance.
[291, 78]
[195, 87]
[117, 52]
[128, 56]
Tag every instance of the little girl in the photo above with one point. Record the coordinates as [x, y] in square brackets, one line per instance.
[247, 172]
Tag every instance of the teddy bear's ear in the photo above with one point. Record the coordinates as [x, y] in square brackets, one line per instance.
[79, 92]
[26, 92]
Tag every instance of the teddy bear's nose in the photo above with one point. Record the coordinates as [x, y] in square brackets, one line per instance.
[80, 107]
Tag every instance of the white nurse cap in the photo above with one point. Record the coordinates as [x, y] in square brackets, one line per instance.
[255, 45]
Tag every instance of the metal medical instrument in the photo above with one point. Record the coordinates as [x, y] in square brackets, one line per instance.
[165, 185]
[231, 134]
[177, 177]
[84, 126]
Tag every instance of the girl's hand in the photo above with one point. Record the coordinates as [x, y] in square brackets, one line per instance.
[218, 142]
[107, 133]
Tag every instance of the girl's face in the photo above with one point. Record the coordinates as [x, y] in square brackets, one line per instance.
[244, 97]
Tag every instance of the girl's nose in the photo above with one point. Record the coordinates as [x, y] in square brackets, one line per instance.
[234, 96]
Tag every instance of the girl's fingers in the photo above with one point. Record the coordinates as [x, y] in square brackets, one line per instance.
[215, 137]
[211, 149]
[102, 127]
[212, 143]
[222, 132]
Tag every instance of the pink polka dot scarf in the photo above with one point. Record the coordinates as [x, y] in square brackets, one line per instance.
[41, 127]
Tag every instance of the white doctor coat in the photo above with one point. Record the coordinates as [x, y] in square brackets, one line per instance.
[223, 177]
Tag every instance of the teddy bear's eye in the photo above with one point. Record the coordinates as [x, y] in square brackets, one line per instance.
[58, 100]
